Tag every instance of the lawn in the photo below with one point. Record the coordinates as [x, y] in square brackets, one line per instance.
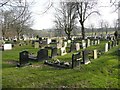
[100, 73]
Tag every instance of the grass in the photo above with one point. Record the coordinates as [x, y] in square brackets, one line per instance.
[100, 73]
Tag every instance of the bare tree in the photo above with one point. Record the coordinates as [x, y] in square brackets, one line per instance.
[16, 17]
[66, 17]
[106, 26]
[85, 9]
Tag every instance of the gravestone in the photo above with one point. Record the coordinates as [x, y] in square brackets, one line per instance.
[65, 44]
[7, 46]
[77, 46]
[76, 59]
[98, 41]
[36, 44]
[23, 57]
[48, 40]
[88, 42]
[42, 54]
[83, 45]
[109, 45]
[95, 42]
[112, 44]
[85, 57]
[59, 44]
[63, 51]
[94, 54]
[54, 52]
[72, 47]
[106, 47]
[92, 42]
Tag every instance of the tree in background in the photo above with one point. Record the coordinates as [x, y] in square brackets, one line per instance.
[66, 17]
[15, 16]
[85, 9]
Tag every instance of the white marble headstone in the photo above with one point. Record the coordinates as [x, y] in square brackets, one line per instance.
[77, 46]
[7, 46]
[106, 47]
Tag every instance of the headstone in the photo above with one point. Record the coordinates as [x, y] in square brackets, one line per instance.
[85, 57]
[94, 54]
[83, 45]
[106, 47]
[88, 42]
[76, 59]
[98, 42]
[36, 44]
[63, 51]
[95, 42]
[109, 45]
[92, 42]
[48, 40]
[72, 47]
[54, 52]
[23, 57]
[112, 45]
[77, 46]
[59, 44]
[65, 44]
[42, 54]
[7, 46]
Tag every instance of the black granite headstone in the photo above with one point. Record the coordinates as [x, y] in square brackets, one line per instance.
[109, 45]
[23, 57]
[42, 54]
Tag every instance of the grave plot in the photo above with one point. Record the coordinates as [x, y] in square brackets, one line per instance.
[76, 59]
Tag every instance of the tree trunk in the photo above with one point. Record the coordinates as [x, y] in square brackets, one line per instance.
[68, 35]
[83, 31]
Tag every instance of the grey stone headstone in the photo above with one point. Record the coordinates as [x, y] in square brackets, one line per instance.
[36, 44]
[92, 42]
[85, 57]
[88, 42]
[72, 47]
[59, 44]
[54, 52]
[76, 59]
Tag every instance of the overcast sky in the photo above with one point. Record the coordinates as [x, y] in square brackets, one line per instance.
[45, 20]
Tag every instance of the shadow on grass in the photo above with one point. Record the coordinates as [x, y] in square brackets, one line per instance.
[9, 64]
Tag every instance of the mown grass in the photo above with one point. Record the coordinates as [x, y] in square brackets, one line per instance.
[100, 73]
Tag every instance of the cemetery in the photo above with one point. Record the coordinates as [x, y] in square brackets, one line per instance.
[58, 45]
[78, 56]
